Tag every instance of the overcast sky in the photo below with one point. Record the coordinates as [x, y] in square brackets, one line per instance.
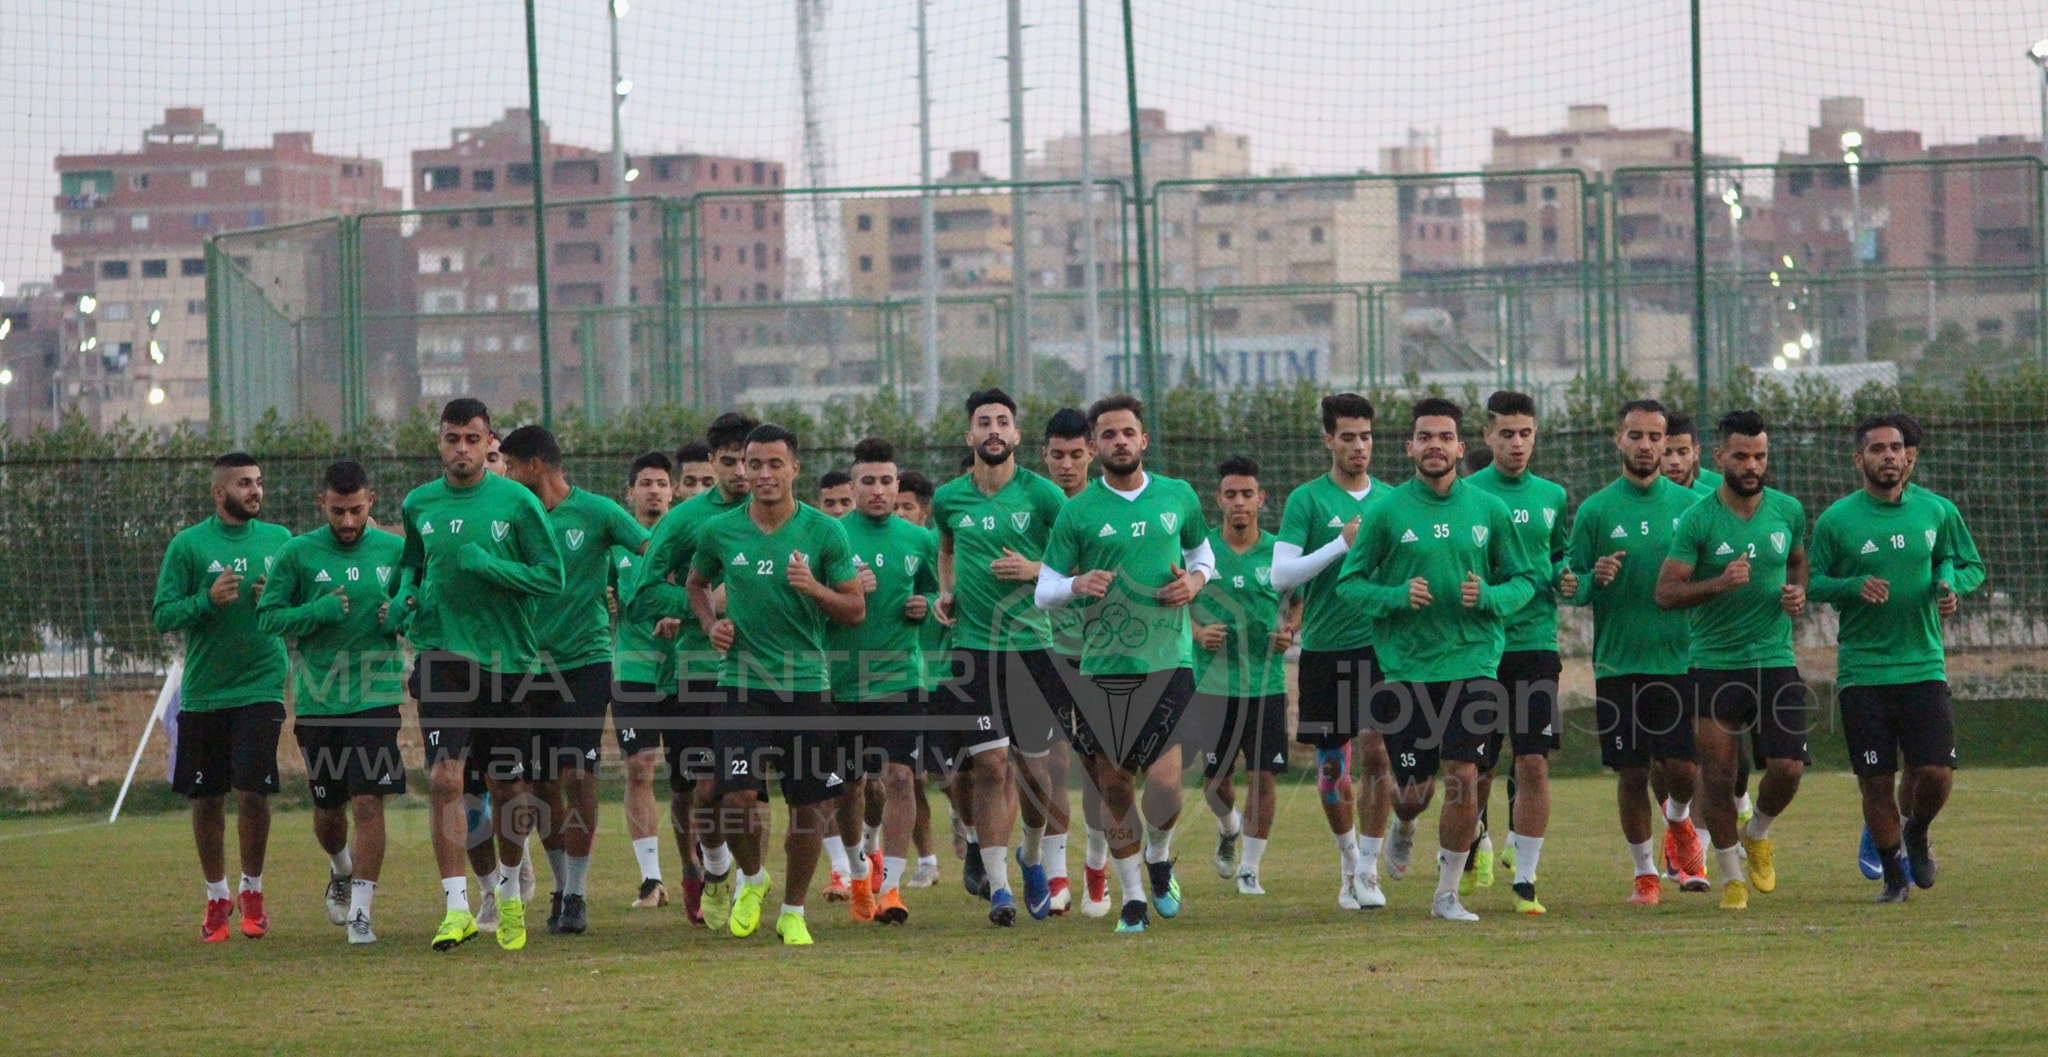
[1319, 86]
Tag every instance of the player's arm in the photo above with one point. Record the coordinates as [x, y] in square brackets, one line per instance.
[947, 579]
[182, 599]
[697, 587]
[280, 612]
[1824, 584]
[1560, 543]
[651, 596]
[1579, 556]
[1292, 568]
[1196, 569]
[1957, 564]
[1513, 575]
[1057, 586]
[924, 586]
[1792, 596]
[1676, 589]
[1358, 584]
[538, 571]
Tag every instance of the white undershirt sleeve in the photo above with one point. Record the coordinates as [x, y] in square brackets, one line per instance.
[1054, 589]
[1291, 568]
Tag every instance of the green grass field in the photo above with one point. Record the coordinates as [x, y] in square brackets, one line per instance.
[99, 954]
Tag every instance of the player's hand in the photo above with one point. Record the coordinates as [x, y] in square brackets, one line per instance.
[1281, 638]
[1013, 566]
[1468, 592]
[1094, 584]
[864, 576]
[1946, 602]
[226, 588]
[667, 628]
[720, 633]
[471, 557]
[257, 591]
[1418, 593]
[384, 615]
[799, 574]
[916, 607]
[1792, 599]
[945, 613]
[1351, 530]
[1209, 636]
[1736, 574]
[340, 593]
[1607, 567]
[1875, 590]
[1183, 588]
[1568, 583]
[611, 601]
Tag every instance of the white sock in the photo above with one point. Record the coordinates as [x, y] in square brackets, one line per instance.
[1675, 811]
[1053, 853]
[216, 889]
[1759, 826]
[1130, 877]
[1527, 851]
[892, 872]
[1254, 850]
[996, 863]
[857, 867]
[1369, 854]
[361, 892]
[1742, 804]
[579, 875]
[647, 852]
[1158, 845]
[758, 877]
[508, 882]
[788, 910]
[341, 863]
[924, 860]
[1230, 824]
[1730, 860]
[456, 889]
[835, 850]
[1033, 848]
[717, 860]
[1347, 852]
[1098, 849]
[1644, 857]
[252, 884]
[970, 834]
[1450, 866]
[870, 839]
[558, 867]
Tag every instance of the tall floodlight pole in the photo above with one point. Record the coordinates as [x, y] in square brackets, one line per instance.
[622, 237]
[1699, 215]
[540, 217]
[1852, 143]
[927, 249]
[1091, 308]
[1147, 351]
[810, 24]
[1020, 266]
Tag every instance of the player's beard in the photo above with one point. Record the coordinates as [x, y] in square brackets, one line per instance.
[1123, 468]
[348, 537]
[1744, 485]
[1883, 477]
[995, 458]
[1643, 472]
[237, 509]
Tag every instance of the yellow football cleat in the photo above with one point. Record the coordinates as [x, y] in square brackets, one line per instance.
[457, 928]
[746, 907]
[795, 932]
[1762, 873]
[1734, 896]
[512, 924]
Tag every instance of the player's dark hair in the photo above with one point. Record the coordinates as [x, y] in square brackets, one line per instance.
[1680, 426]
[1344, 405]
[1909, 429]
[731, 430]
[1435, 407]
[1477, 459]
[234, 460]
[834, 479]
[346, 477]
[874, 449]
[770, 433]
[464, 409]
[1509, 402]
[691, 451]
[1648, 406]
[652, 460]
[533, 444]
[1237, 466]
[981, 398]
[1744, 423]
[1115, 402]
[1068, 423]
[967, 460]
[911, 482]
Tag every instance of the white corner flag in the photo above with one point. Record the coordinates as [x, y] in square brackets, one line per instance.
[165, 711]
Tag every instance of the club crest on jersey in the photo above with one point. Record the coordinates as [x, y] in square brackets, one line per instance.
[1168, 520]
[1107, 530]
[1619, 533]
[1549, 516]
[323, 578]
[1021, 519]
[1930, 539]
[499, 529]
[1778, 542]
[1408, 536]
[383, 574]
[575, 537]
[910, 565]
[267, 561]
[966, 521]
[1264, 573]
[1479, 535]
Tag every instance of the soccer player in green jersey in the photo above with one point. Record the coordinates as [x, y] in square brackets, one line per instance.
[835, 493]
[1009, 694]
[1132, 550]
[1619, 538]
[1339, 666]
[1044, 847]
[836, 499]
[328, 596]
[575, 633]
[637, 652]
[1681, 462]
[1241, 640]
[775, 672]
[1529, 666]
[688, 673]
[1738, 563]
[914, 504]
[1437, 566]
[478, 554]
[231, 697]
[1893, 560]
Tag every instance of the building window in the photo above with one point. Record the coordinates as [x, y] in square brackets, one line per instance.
[485, 218]
[1549, 193]
[760, 215]
[760, 174]
[199, 177]
[714, 170]
[138, 181]
[740, 255]
[156, 269]
[760, 256]
[1264, 235]
[255, 218]
[252, 176]
[196, 307]
[191, 266]
[760, 291]
[864, 222]
[202, 221]
[138, 222]
[483, 179]
[114, 312]
[519, 174]
[1223, 240]
[113, 269]
[579, 218]
[867, 264]
[717, 253]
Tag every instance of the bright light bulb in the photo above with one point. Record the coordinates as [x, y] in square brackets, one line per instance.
[1852, 158]
[156, 395]
[1791, 350]
[6, 376]
[1731, 196]
[88, 344]
[619, 8]
[1806, 341]
[1788, 261]
[1777, 363]
[6, 327]
[156, 315]
[156, 351]
[1775, 281]
[1735, 212]
[624, 88]
[87, 303]
[1852, 139]
[632, 175]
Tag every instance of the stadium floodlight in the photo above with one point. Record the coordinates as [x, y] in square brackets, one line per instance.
[1777, 363]
[1852, 139]
[156, 394]
[87, 304]
[156, 316]
[619, 8]
[1788, 262]
[6, 327]
[1791, 350]
[6, 376]
[1806, 340]
[2039, 51]
[632, 175]
[156, 351]
[623, 88]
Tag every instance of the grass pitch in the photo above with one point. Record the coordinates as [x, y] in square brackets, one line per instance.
[99, 954]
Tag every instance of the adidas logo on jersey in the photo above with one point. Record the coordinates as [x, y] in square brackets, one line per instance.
[1869, 547]
[1106, 531]
[1619, 533]
[1335, 522]
[1723, 549]
[386, 780]
[215, 568]
[740, 558]
[1408, 536]
[833, 781]
[426, 528]
[323, 578]
[625, 562]
[966, 521]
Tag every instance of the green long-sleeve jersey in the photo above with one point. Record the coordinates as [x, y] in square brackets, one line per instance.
[1536, 508]
[576, 629]
[1746, 627]
[229, 660]
[1242, 599]
[1632, 635]
[1915, 545]
[1413, 532]
[1315, 514]
[343, 661]
[476, 558]
[781, 638]
[883, 655]
[657, 591]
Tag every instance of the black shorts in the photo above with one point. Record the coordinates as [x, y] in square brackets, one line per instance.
[882, 731]
[1534, 724]
[1641, 718]
[1427, 723]
[1218, 729]
[470, 713]
[1881, 722]
[1131, 719]
[228, 748]
[1771, 705]
[352, 755]
[568, 719]
[1336, 687]
[793, 735]
[1020, 698]
[640, 715]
